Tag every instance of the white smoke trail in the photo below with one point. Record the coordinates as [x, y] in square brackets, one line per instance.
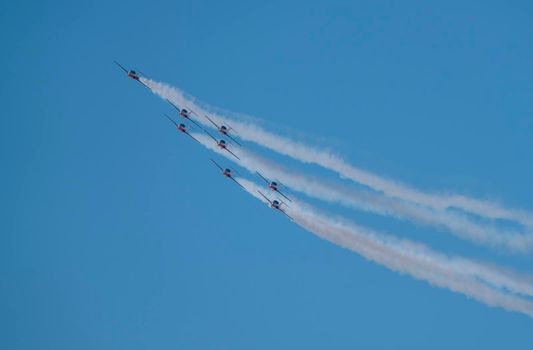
[493, 286]
[312, 155]
[457, 224]
[492, 275]
[490, 286]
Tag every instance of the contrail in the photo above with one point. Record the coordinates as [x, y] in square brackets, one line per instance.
[492, 285]
[475, 280]
[307, 154]
[456, 223]
[492, 275]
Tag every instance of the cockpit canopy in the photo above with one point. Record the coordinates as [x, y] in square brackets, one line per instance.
[274, 183]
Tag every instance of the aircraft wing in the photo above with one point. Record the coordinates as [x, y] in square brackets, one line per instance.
[238, 183]
[264, 178]
[195, 123]
[232, 139]
[211, 136]
[233, 154]
[230, 128]
[143, 84]
[284, 196]
[265, 197]
[173, 105]
[124, 69]
[212, 122]
[283, 211]
[171, 120]
[216, 164]
[192, 137]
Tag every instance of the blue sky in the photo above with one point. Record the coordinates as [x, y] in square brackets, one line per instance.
[118, 233]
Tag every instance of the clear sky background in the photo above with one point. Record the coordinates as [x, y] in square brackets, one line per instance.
[116, 233]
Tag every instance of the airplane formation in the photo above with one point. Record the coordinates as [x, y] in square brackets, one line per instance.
[224, 131]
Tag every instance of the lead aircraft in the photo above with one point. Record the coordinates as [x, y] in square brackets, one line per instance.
[131, 74]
